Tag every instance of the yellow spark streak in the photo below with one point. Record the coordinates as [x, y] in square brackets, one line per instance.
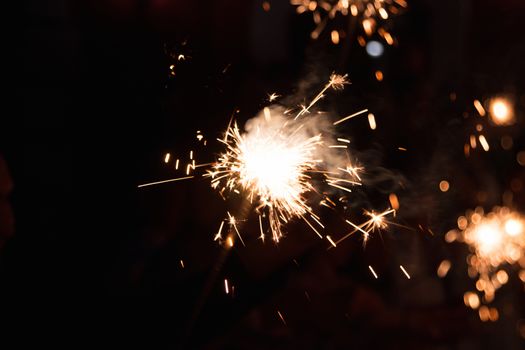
[372, 270]
[404, 271]
[218, 235]
[167, 158]
[191, 155]
[281, 317]
[337, 146]
[226, 289]
[351, 116]
[182, 263]
[177, 165]
[261, 228]
[339, 187]
[331, 241]
[336, 81]
[317, 220]
[313, 228]
[343, 140]
[234, 224]
[359, 228]
[165, 181]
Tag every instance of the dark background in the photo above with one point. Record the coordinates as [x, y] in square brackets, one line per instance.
[97, 107]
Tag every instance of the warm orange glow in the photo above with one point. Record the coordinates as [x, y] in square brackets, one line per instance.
[501, 111]
[444, 186]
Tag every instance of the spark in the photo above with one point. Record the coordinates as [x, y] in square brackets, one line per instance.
[343, 140]
[404, 271]
[281, 317]
[165, 181]
[167, 158]
[233, 222]
[218, 235]
[331, 241]
[373, 272]
[350, 116]
[181, 263]
[376, 222]
[273, 96]
[226, 288]
[337, 82]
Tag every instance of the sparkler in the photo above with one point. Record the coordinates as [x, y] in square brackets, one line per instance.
[371, 14]
[495, 239]
[280, 161]
[282, 165]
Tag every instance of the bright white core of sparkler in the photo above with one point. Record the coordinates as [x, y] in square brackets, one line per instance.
[273, 166]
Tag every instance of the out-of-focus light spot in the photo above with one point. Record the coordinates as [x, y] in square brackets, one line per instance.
[502, 277]
[335, 37]
[507, 142]
[462, 222]
[172, 69]
[266, 6]
[167, 158]
[484, 313]
[484, 143]
[471, 300]
[479, 127]
[444, 186]
[520, 157]
[368, 26]
[453, 96]
[372, 121]
[501, 111]
[379, 75]
[374, 48]
[522, 275]
[443, 268]
[451, 236]
[394, 201]
[513, 227]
